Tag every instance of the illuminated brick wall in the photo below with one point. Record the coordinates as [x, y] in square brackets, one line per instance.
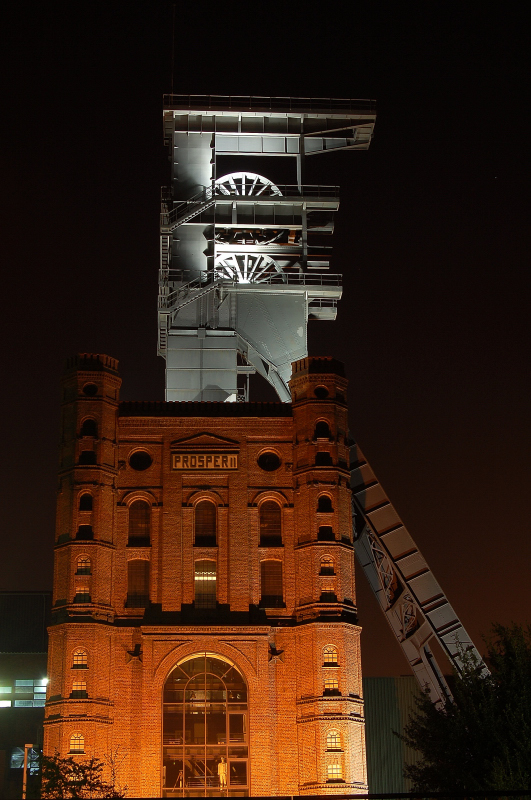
[130, 481]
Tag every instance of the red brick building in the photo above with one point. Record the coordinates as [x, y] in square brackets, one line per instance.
[205, 624]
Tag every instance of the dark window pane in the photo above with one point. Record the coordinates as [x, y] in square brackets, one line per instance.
[85, 502]
[271, 583]
[205, 584]
[139, 524]
[89, 428]
[270, 524]
[137, 583]
[205, 524]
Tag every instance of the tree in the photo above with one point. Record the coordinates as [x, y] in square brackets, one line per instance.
[482, 740]
[69, 777]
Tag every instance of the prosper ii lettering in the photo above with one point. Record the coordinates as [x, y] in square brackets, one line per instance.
[204, 461]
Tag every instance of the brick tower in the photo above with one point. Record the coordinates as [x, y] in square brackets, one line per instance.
[204, 625]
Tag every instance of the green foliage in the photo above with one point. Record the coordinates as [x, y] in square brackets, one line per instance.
[70, 777]
[481, 741]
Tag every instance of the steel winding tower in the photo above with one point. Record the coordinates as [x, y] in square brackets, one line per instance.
[245, 259]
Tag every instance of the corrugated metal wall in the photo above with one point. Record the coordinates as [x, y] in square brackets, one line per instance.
[388, 704]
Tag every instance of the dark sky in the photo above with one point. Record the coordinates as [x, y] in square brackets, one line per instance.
[432, 238]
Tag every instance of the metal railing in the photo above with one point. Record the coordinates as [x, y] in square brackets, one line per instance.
[212, 102]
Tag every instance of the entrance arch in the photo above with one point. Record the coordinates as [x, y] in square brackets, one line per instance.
[204, 729]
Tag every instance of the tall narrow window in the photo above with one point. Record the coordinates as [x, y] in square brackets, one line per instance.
[270, 524]
[205, 524]
[322, 430]
[137, 583]
[83, 565]
[80, 660]
[272, 593]
[139, 524]
[327, 566]
[333, 740]
[85, 502]
[77, 743]
[205, 584]
[330, 656]
[89, 428]
[324, 504]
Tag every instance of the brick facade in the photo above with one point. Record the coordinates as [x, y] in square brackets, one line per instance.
[119, 642]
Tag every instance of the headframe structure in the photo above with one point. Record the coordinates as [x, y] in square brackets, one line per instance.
[244, 259]
[244, 266]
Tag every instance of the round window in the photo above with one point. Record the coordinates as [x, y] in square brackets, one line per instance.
[321, 392]
[90, 389]
[140, 460]
[269, 461]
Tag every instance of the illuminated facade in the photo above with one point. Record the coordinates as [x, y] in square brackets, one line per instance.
[205, 626]
[204, 599]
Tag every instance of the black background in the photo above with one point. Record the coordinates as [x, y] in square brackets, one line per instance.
[432, 238]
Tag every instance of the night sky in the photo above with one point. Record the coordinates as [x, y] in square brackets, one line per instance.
[432, 238]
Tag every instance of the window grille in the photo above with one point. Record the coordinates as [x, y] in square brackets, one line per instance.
[137, 583]
[139, 524]
[333, 740]
[83, 565]
[331, 685]
[327, 566]
[270, 524]
[80, 660]
[82, 594]
[77, 743]
[335, 771]
[330, 655]
[205, 524]
[271, 584]
[205, 584]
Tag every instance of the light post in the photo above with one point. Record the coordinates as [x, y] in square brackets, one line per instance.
[27, 748]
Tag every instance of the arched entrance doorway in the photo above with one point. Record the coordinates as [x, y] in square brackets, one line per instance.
[205, 731]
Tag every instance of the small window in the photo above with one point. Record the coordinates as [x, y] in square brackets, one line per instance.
[328, 595]
[333, 740]
[205, 584]
[80, 659]
[269, 461]
[327, 566]
[140, 460]
[79, 689]
[82, 594]
[89, 428]
[270, 524]
[335, 771]
[324, 504]
[330, 655]
[272, 593]
[85, 502]
[321, 392]
[77, 743]
[87, 458]
[90, 389]
[83, 565]
[331, 686]
[323, 460]
[322, 430]
[205, 524]
[137, 583]
[139, 524]
[85, 532]
[325, 534]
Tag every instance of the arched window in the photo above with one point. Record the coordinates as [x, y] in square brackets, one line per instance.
[137, 583]
[87, 458]
[330, 655]
[327, 566]
[322, 430]
[270, 524]
[205, 584]
[139, 524]
[331, 686]
[83, 565]
[325, 534]
[335, 771]
[324, 504]
[272, 593]
[79, 689]
[77, 743]
[333, 740]
[205, 524]
[205, 714]
[85, 502]
[80, 659]
[89, 428]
